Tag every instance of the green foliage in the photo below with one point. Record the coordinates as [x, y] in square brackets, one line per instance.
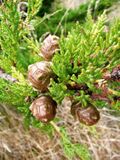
[19, 48]
[13, 40]
[82, 59]
[45, 8]
[15, 93]
[104, 4]
[15, 56]
[73, 149]
[64, 18]
[9, 35]
[33, 7]
[67, 18]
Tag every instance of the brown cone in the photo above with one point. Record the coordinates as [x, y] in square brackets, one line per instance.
[44, 108]
[39, 75]
[88, 115]
[115, 75]
[49, 47]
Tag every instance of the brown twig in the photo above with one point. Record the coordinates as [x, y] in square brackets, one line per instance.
[7, 77]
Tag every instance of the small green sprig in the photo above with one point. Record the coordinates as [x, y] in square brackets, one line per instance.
[33, 7]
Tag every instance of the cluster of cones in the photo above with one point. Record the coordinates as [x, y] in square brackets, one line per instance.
[44, 107]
